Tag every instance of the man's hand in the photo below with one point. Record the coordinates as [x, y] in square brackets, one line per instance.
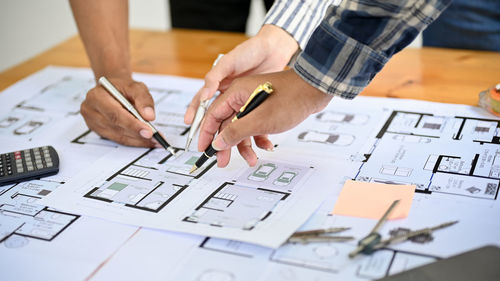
[292, 101]
[107, 117]
[269, 51]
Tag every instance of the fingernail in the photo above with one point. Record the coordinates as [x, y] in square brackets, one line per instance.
[145, 133]
[149, 112]
[219, 143]
[270, 149]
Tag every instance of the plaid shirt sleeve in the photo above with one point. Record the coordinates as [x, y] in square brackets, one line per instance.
[355, 40]
[298, 17]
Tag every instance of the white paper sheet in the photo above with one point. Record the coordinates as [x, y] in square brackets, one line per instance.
[37, 242]
[448, 151]
[475, 210]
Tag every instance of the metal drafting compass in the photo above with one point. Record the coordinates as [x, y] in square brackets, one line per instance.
[407, 236]
[373, 241]
[367, 244]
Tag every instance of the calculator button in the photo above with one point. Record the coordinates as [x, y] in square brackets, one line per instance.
[29, 167]
[49, 164]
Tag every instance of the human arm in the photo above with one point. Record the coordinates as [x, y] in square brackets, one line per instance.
[285, 30]
[103, 27]
[343, 55]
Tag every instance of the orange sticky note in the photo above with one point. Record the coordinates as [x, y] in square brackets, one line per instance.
[371, 200]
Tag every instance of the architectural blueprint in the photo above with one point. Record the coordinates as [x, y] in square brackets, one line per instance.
[43, 110]
[221, 259]
[263, 204]
[51, 228]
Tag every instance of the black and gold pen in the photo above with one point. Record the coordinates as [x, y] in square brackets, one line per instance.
[256, 98]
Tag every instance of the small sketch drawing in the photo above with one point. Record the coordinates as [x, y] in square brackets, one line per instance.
[16, 241]
[8, 121]
[326, 138]
[28, 127]
[263, 172]
[341, 117]
[285, 178]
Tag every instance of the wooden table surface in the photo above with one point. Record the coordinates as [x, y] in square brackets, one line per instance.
[444, 75]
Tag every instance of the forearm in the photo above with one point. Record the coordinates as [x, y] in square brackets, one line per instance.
[356, 39]
[276, 38]
[103, 27]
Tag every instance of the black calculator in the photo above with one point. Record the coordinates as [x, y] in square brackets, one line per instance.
[28, 164]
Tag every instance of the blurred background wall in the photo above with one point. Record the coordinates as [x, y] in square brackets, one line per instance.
[28, 27]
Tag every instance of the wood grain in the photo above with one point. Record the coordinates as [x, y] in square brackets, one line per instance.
[444, 75]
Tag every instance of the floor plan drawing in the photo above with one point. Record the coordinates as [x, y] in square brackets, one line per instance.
[64, 96]
[169, 120]
[332, 258]
[115, 203]
[445, 154]
[277, 177]
[150, 182]
[170, 107]
[233, 205]
[23, 124]
[43, 109]
[90, 137]
[338, 132]
[19, 202]
[239, 201]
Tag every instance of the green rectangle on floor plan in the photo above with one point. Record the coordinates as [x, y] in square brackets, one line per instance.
[117, 186]
[191, 160]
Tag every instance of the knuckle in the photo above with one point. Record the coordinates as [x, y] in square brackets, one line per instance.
[140, 89]
[119, 131]
[113, 118]
[230, 135]
[92, 93]
[209, 77]
[142, 86]
[84, 109]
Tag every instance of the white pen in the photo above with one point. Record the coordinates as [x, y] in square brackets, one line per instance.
[128, 106]
[200, 113]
